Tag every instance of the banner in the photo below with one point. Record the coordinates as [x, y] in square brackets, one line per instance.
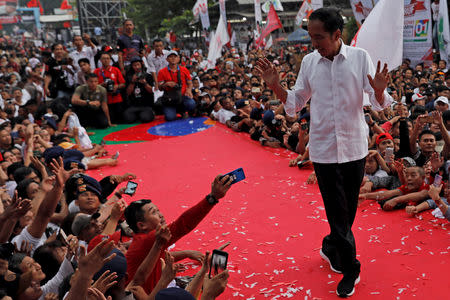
[223, 11]
[272, 23]
[276, 4]
[443, 31]
[417, 32]
[382, 33]
[361, 9]
[219, 39]
[8, 7]
[258, 17]
[201, 9]
[306, 9]
[269, 43]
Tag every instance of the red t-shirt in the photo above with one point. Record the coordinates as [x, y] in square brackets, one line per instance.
[166, 74]
[114, 74]
[405, 190]
[143, 242]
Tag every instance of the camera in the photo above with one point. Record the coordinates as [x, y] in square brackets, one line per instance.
[140, 76]
[276, 122]
[109, 85]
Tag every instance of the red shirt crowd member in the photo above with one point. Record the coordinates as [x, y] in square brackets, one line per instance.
[143, 217]
[107, 73]
[166, 75]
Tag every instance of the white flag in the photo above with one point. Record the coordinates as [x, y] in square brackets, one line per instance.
[218, 41]
[276, 4]
[258, 17]
[201, 8]
[223, 11]
[443, 31]
[362, 8]
[269, 43]
[306, 9]
[382, 33]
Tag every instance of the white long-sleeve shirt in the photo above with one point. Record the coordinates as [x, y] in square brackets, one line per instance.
[336, 89]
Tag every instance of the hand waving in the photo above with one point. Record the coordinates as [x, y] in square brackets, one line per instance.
[381, 79]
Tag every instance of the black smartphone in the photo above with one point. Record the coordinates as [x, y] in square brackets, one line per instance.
[219, 260]
[367, 118]
[131, 188]
[237, 175]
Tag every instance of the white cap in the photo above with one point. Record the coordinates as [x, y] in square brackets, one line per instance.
[417, 96]
[172, 52]
[442, 99]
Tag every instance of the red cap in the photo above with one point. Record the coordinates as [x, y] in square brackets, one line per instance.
[384, 136]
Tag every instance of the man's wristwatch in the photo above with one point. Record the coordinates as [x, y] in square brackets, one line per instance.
[211, 199]
[87, 102]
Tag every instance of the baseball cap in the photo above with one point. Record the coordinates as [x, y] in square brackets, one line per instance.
[242, 103]
[383, 136]
[416, 97]
[174, 293]
[72, 163]
[118, 264]
[50, 122]
[87, 183]
[172, 52]
[81, 221]
[268, 117]
[132, 209]
[52, 153]
[442, 99]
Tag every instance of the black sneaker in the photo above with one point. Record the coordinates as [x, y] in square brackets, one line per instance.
[335, 267]
[346, 286]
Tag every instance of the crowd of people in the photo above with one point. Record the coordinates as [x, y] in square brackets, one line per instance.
[66, 235]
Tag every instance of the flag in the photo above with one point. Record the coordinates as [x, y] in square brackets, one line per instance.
[306, 9]
[272, 23]
[223, 11]
[382, 33]
[443, 31]
[361, 9]
[65, 5]
[35, 3]
[276, 4]
[269, 43]
[201, 9]
[258, 17]
[219, 39]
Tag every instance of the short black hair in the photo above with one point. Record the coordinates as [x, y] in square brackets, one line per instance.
[90, 75]
[85, 60]
[426, 132]
[21, 173]
[157, 41]
[127, 20]
[134, 213]
[330, 17]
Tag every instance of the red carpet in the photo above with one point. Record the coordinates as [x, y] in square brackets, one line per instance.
[276, 222]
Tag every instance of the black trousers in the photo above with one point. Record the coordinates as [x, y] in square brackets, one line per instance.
[339, 185]
[91, 117]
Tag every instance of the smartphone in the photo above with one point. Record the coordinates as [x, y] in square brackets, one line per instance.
[116, 156]
[304, 126]
[387, 154]
[219, 260]
[63, 237]
[237, 175]
[131, 188]
[367, 117]
[437, 180]
[427, 119]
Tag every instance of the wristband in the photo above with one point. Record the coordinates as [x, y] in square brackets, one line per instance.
[118, 195]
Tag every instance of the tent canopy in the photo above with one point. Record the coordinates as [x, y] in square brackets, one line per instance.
[300, 35]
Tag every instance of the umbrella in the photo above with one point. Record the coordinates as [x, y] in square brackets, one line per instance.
[300, 35]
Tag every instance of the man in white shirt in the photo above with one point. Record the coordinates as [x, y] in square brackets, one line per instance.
[335, 77]
[157, 60]
[83, 51]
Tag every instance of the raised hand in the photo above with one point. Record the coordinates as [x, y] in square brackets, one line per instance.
[163, 235]
[61, 175]
[381, 78]
[268, 71]
[215, 286]
[94, 261]
[220, 186]
[105, 281]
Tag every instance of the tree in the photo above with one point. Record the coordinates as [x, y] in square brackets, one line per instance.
[150, 14]
[350, 30]
[179, 24]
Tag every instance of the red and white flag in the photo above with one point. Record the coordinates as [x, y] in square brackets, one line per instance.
[306, 9]
[272, 23]
[220, 39]
[381, 34]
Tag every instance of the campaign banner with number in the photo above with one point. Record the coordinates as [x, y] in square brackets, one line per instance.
[417, 32]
